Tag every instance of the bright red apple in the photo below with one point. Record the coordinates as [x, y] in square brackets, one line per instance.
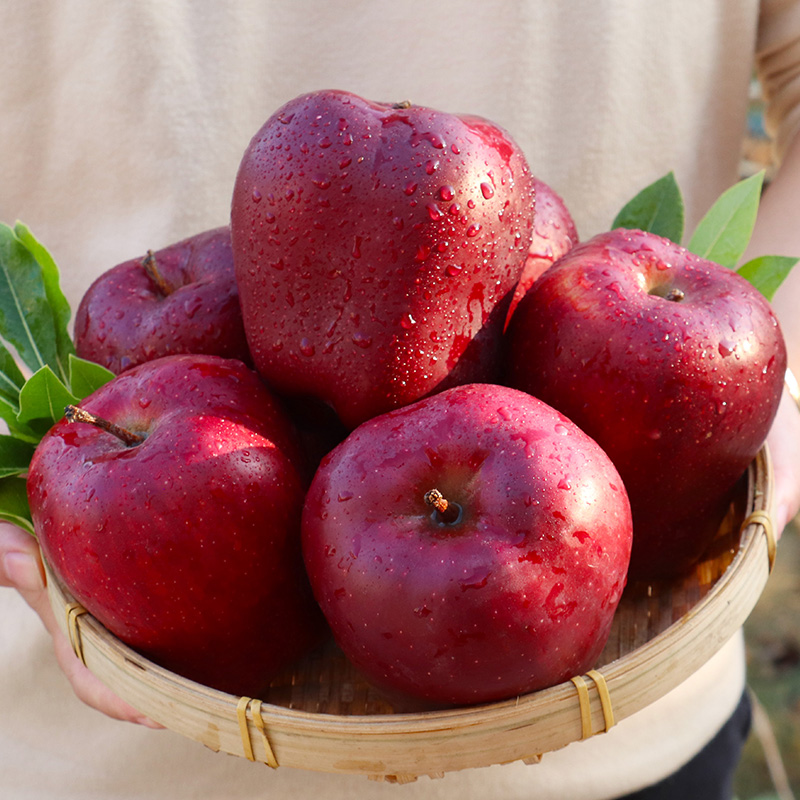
[554, 235]
[184, 540]
[182, 299]
[507, 586]
[376, 249]
[672, 363]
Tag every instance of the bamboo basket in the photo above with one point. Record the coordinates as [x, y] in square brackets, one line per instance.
[324, 716]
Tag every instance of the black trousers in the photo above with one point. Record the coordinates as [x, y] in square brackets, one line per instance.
[709, 775]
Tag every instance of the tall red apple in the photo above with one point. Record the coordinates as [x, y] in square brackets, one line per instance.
[181, 299]
[376, 249]
[469, 547]
[182, 540]
[672, 363]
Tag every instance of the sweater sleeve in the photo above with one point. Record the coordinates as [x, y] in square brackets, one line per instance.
[778, 67]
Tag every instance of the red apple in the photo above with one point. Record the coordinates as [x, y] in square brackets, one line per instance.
[554, 235]
[182, 299]
[376, 249]
[510, 588]
[185, 544]
[672, 363]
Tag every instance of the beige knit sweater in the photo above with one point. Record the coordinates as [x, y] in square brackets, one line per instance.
[122, 127]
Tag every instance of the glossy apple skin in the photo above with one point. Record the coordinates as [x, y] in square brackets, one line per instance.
[680, 394]
[187, 545]
[124, 319]
[554, 235]
[517, 596]
[376, 249]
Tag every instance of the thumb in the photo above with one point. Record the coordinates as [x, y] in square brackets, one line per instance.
[20, 563]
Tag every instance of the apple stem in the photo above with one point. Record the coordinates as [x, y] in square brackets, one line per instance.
[78, 414]
[402, 104]
[447, 513]
[151, 268]
[675, 295]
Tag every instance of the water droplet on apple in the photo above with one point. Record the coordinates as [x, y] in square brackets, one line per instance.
[410, 188]
[453, 270]
[447, 193]
[325, 143]
[565, 484]
[361, 339]
[473, 229]
[344, 496]
[423, 251]
[561, 428]
[306, 347]
[256, 196]
[487, 190]
[434, 212]
[321, 181]
[407, 322]
[431, 166]
[726, 348]
[192, 306]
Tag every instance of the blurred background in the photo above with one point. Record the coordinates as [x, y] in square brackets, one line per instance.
[770, 769]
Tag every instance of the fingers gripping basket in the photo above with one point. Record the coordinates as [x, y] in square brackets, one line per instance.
[323, 716]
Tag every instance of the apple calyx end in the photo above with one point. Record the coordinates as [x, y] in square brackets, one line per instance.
[150, 266]
[675, 295]
[78, 414]
[671, 293]
[444, 512]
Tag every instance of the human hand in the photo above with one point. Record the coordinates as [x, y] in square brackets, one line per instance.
[784, 446]
[21, 569]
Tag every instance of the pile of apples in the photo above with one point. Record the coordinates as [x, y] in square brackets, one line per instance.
[398, 401]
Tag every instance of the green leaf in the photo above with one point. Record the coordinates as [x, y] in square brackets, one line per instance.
[26, 319]
[43, 398]
[658, 208]
[11, 381]
[15, 456]
[14, 506]
[55, 297]
[86, 376]
[724, 232]
[767, 273]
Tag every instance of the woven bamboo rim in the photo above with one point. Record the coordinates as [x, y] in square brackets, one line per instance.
[323, 716]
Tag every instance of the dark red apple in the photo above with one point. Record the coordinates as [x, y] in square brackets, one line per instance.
[186, 542]
[672, 363]
[508, 586]
[376, 249]
[182, 299]
[554, 235]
